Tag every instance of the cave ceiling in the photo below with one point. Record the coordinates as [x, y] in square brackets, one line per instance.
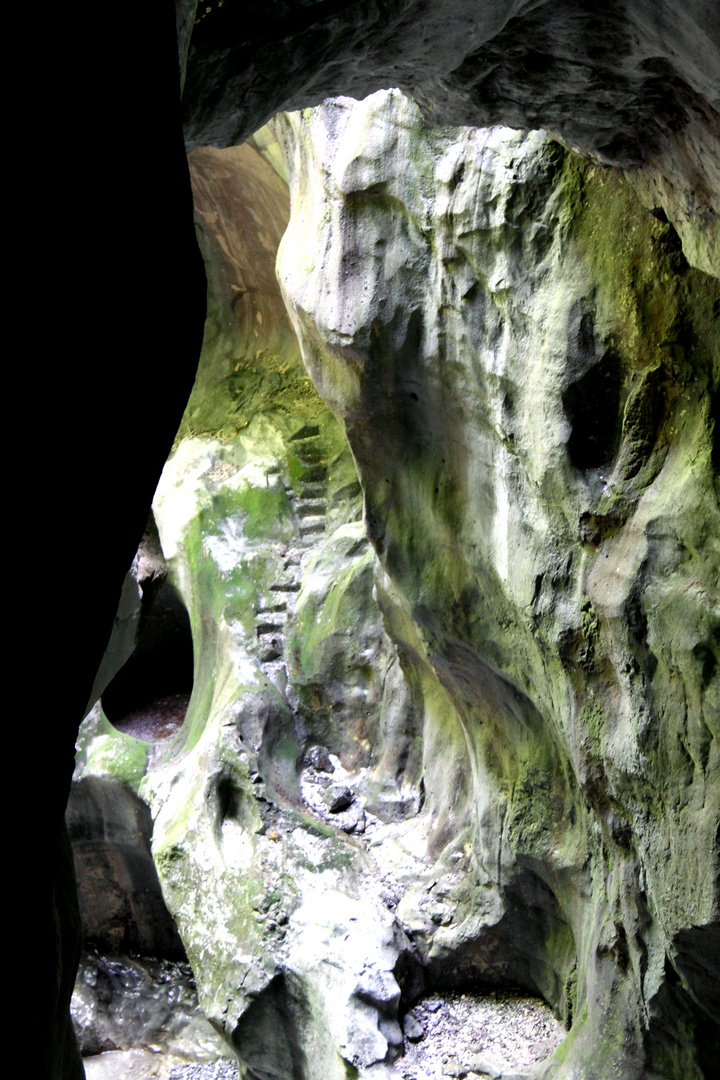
[634, 84]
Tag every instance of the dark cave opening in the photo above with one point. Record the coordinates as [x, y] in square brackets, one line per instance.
[592, 405]
[149, 696]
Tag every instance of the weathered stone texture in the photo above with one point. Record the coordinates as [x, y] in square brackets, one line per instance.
[524, 365]
[455, 701]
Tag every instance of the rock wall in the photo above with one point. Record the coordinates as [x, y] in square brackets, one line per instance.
[121, 905]
[525, 366]
[485, 747]
[464, 730]
[646, 73]
[301, 735]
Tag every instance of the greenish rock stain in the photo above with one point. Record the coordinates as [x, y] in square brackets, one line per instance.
[124, 758]
[102, 750]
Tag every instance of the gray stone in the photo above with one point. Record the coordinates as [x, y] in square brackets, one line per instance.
[319, 758]
[110, 829]
[412, 1028]
[484, 1066]
[338, 798]
[454, 1068]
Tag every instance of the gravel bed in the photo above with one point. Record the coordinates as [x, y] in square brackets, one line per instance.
[215, 1070]
[493, 1034]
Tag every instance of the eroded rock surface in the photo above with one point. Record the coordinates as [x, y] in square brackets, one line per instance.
[455, 700]
[634, 82]
[525, 365]
[301, 733]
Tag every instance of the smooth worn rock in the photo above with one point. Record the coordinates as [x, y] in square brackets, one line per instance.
[484, 1067]
[258, 522]
[121, 904]
[631, 82]
[454, 1068]
[412, 1028]
[501, 659]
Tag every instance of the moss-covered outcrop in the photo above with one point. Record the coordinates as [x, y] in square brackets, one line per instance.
[258, 515]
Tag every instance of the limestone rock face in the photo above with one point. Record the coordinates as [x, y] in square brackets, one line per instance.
[454, 621]
[630, 83]
[301, 734]
[526, 367]
[121, 904]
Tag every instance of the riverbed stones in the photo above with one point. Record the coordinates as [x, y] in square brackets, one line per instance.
[412, 1028]
[474, 1034]
[338, 798]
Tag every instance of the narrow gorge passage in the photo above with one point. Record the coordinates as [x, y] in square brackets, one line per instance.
[436, 649]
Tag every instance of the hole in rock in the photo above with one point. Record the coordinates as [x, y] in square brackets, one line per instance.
[592, 405]
[149, 696]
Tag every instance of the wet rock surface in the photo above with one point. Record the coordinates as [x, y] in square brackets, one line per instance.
[140, 1006]
[146, 1065]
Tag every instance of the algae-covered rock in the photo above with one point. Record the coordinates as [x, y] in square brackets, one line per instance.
[525, 367]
